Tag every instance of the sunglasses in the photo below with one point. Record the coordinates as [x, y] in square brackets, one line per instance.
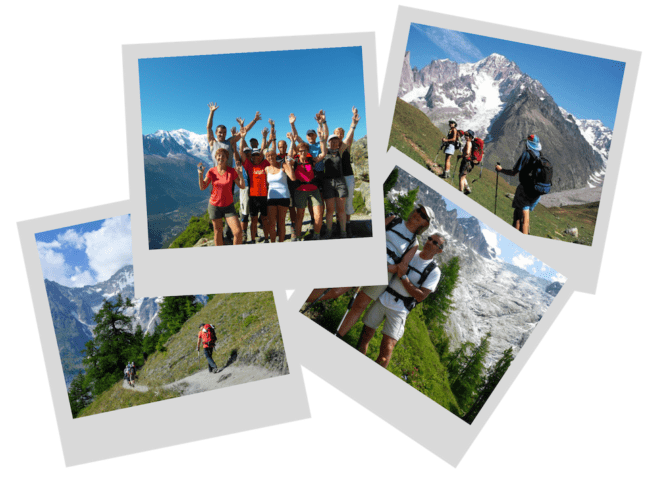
[436, 243]
[421, 211]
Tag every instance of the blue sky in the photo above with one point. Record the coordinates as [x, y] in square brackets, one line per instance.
[175, 91]
[586, 86]
[509, 252]
[85, 254]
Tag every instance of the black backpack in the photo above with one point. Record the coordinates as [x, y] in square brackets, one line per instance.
[390, 226]
[409, 301]
[537, 176]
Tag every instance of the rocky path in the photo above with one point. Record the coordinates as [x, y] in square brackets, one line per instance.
[206, 381]
[572, 197]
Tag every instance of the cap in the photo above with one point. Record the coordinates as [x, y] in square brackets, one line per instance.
[333, 136]
[256, 151]
[311, 132]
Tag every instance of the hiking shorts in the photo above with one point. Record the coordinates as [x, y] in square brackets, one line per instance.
[350, 182]
[334, 188]
[258, 205]
[466, 167]
[244, 205]
[302, 197]
[285, 202]
[450, 149]
[394, 320]
[374, 291]
[218, 212]
[523, 201]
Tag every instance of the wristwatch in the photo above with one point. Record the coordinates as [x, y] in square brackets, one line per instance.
[403, 277]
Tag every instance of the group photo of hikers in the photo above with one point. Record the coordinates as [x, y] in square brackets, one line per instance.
[279, 177]
[284, 157]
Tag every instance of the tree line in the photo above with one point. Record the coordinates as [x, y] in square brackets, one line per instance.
[116, 343]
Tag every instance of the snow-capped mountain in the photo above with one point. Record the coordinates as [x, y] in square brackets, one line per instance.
[491, 295]
[177, 142]
[503, 105]
[599, 137]
[73, 311]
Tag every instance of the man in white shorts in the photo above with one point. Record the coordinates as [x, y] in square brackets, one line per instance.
[405, 290]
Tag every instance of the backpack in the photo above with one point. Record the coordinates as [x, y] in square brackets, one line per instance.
[390, 226]
[211, 335]
[409, 301]
[542, 174]
[477, 150]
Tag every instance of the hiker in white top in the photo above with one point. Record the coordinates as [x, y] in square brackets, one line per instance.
[405, 290]
[219, 141]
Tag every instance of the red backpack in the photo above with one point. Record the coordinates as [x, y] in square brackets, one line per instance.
[477, 149]
[209, 335]
[477, 152]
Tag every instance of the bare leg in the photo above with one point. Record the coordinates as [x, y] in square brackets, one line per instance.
[359, 305]
[340, 204]
[244, 224]
[447, 163]
[330, 209]
[365, 338]
[272, 223]
[218, 232]
[517, 219]
[281, 223]
[386, 349]
[298, 221]
[526, 218]
[235, 226]
[253, 229]
[331, 294]
[266, 226]
[319, 212]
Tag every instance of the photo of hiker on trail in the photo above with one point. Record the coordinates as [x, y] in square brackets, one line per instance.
[524, 130]
[460, 303]
[255, 184]
[100, 326]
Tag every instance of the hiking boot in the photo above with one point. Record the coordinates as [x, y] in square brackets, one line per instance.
[467, 191]
[328, 234]
[445, 175]
[343, 234]
[245, 237]
[316, 237]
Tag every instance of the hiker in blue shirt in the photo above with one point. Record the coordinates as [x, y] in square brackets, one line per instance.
[526, 199]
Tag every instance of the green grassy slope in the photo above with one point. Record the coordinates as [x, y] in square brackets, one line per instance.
[414, 135]
[248, 331]
[414, 359]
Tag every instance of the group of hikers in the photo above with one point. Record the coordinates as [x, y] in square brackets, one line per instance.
[535, 171]
[412, 276]
[276, 178]
[130, 374]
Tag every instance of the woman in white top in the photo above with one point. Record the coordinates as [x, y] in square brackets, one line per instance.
[278, 192]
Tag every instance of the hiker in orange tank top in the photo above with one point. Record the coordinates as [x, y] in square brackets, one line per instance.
[255, 169]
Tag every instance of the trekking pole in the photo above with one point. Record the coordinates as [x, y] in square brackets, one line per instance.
[348, 309]
[496, 185]
[480, 171]
[454, 171]
[316, 300]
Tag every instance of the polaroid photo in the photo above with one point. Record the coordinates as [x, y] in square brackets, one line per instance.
[502, 116]
[439, 345]
[241, 143]
[118, 362]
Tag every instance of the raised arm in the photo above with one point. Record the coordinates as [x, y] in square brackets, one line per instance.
[210, 122]
[237, 156]
[291, 150]
[289, 168]
[273, 138]
[264, 142]
[323, 137]
[348, 141]
[293, 128]
[257, 117]
[240, 181]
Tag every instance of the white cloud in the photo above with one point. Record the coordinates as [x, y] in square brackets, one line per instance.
[110, 247]
[523, 261]
[55, 268]
[559, 277]
[71, 238]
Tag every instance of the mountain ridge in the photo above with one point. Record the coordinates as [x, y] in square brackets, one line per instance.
[494, 98]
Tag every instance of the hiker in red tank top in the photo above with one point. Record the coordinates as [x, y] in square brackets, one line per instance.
[221, 201]
[258, 191]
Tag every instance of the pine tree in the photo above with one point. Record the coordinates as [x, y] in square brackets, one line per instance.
[465, 383]
[438, 306]
[404, 204]
[108, 352]
[174, 312]
[488, 385]
[79, 394]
